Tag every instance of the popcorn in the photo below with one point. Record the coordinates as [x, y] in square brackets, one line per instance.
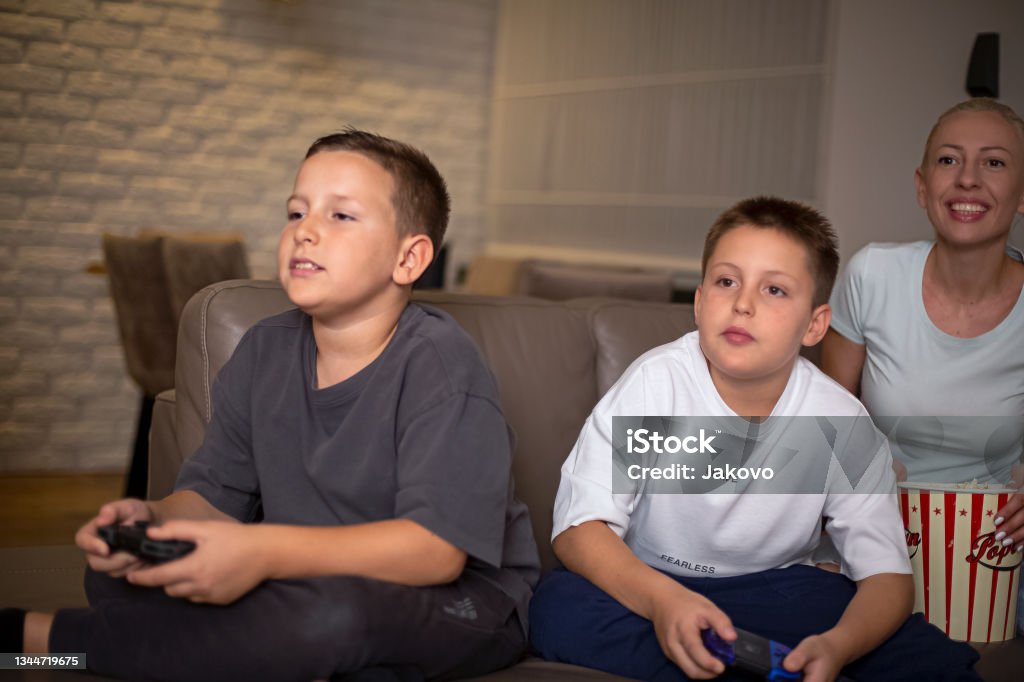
[971, 485]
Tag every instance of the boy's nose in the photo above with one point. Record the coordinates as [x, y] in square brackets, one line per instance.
[306, 231]
[743, 303]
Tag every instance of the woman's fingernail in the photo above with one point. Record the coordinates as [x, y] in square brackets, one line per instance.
[1019, 548]
[1000, 535]
[1007, 542]
[999, 519]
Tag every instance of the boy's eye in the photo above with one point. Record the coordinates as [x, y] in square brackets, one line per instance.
[726, 281]
[342, 216]
[294, 215]
[775, 291]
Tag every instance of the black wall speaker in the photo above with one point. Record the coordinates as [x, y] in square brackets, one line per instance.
[983, 71]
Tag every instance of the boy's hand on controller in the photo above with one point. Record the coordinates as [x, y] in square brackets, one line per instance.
[678, 622]
[224, 565]
[97, 552]
[818, 657]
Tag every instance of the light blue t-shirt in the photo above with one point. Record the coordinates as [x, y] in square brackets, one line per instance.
[953, 408]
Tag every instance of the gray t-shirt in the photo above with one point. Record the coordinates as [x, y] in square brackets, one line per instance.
[418, 434]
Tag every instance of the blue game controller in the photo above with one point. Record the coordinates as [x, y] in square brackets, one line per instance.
[753, 653]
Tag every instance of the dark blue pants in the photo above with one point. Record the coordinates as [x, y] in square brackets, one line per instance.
[573, 621]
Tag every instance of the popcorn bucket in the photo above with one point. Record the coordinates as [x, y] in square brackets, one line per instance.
[965, 582]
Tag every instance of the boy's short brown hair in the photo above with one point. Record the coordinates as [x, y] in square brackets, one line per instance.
[799, 221]
[420, 198]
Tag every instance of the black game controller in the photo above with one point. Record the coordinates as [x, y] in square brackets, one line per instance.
[132, 539]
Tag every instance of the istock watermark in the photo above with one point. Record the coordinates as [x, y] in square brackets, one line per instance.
[803, 455]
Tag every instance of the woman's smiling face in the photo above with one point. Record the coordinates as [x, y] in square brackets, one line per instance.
[971, 182]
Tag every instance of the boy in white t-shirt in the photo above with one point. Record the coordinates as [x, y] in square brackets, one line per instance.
[647, 573]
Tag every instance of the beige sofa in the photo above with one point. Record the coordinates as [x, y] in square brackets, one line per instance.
[552, 360]
[559, 281]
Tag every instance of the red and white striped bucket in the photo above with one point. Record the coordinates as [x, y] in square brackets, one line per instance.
[965, 581]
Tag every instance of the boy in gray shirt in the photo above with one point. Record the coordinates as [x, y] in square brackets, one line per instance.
[365, 433]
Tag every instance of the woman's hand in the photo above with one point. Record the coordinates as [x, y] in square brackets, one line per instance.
[1010, 522]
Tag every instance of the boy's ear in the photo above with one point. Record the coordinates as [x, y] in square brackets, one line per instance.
[821, 317]
[415, 254]
[696, 303]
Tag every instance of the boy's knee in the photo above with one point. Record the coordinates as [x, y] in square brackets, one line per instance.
[329, 624]
[100, 587]
[920, 651]
[558, 612]
[551, 597]
[95, 585]
[323, 624]
[545, 626]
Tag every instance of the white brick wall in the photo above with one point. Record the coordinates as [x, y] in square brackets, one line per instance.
[189, 115]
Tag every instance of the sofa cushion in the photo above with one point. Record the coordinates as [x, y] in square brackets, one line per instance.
[212, 324]
[625, 330]
[538, 670]
[165, 456]
[543, 358]
[560, 282]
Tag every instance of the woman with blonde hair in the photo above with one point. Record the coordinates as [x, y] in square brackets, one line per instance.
[930, 334]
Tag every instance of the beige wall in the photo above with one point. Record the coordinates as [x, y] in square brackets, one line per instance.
[190, 115]
[897, 66]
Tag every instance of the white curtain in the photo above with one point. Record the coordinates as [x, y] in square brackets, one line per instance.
[625, 126]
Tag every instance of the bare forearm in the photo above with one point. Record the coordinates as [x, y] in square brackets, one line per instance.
[397, 550]
[882, 603]
[595, 552]
[185, 504]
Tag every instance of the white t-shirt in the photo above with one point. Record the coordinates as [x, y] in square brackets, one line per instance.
[728, 534]
[925, 388]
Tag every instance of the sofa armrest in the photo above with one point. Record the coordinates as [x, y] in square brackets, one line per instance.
[164, 454]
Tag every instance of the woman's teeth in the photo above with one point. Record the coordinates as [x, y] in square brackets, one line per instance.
[968, 208]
